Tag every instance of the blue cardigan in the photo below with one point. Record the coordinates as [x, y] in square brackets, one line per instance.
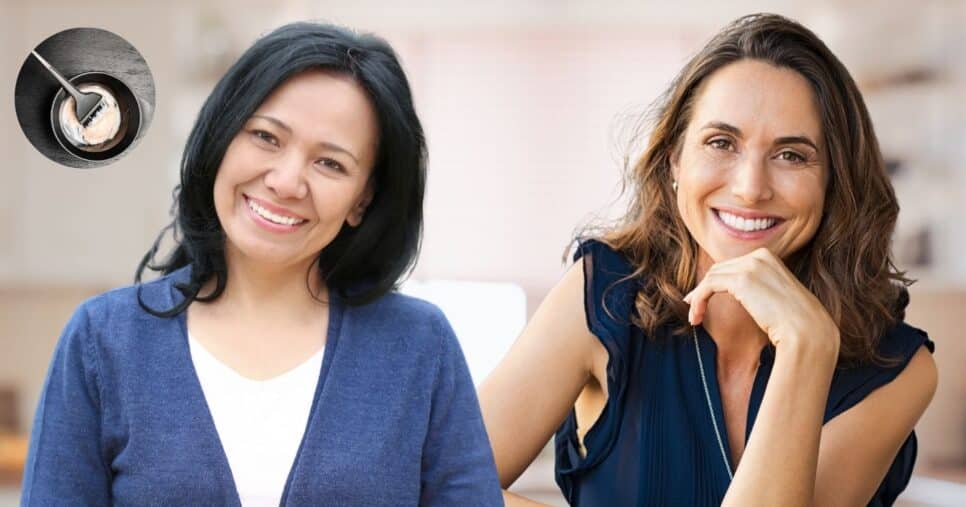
[122, 418]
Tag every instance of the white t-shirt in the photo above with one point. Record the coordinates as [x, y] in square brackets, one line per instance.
[260, 422]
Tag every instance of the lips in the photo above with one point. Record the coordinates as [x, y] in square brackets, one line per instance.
[754, 227]
[270, 221]
[747, 214]
[278, 210]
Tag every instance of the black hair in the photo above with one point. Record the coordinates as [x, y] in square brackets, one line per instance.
[361, 263]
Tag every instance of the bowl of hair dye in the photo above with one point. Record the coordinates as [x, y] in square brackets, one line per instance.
[110, 131]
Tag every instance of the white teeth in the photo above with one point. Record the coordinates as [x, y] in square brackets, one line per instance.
[272, 217]
[744, 224]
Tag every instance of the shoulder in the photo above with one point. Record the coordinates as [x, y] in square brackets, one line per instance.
[920, 377]
[403, 320]
[116, 320]
[606, 269]
[903, 340]
[125, 302]
[403, 310]
[887, 399]
[400, 341]
[610, 289]
[908, 350]
[603, 257]
[913, 376]
[111, 324]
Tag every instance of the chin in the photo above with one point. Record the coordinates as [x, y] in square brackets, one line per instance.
[260, 251]
[721, 253]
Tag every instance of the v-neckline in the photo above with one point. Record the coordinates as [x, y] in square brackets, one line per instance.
[709, 356]
[333, 331]
[237, 378]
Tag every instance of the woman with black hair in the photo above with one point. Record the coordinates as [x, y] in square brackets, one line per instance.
[271, 363]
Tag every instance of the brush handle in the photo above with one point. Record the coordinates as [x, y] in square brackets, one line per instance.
[65, 83]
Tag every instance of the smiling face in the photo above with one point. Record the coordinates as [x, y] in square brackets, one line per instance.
[297, 170]
[753, 147]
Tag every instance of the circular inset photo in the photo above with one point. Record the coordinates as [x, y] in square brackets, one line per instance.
[84, 97]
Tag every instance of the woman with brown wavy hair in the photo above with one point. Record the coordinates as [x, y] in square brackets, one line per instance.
[738, 338]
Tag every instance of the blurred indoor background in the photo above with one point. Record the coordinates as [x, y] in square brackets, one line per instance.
[527, 106]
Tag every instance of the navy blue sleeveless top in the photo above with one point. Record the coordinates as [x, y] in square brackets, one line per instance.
[655, 443]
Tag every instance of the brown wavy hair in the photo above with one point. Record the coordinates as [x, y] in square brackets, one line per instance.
[847, 264]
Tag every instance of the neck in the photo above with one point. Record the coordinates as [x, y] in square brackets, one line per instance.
[736, 335]
[263, 292]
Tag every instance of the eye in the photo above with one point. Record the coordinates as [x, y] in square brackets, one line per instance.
[265, 137]
[331, 164]
[791, 156]
[720, 143]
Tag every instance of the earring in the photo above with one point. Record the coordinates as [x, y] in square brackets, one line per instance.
[674, 186]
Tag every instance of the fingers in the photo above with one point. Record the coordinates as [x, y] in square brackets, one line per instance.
[698, 298]
[771, 294]
[735, 276]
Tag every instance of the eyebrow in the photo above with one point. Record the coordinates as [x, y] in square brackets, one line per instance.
[331, 146]
[720, 125]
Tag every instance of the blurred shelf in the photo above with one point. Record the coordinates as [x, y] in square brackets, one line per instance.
[13, 456]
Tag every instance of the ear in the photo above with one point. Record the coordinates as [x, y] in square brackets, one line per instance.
[673, 163]
[359, 210]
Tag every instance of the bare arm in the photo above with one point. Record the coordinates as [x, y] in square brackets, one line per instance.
[865, 439]
[791, 457]
[776, 469]
[808, 469]
[513, 500]
[535, 386]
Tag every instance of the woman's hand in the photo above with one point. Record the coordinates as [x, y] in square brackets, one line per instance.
[781, 306]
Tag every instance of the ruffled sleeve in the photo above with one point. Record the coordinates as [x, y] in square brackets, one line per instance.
[609, 293]
[851, 386]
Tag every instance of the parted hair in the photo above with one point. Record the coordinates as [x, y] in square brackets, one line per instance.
[361, 263]
[847, 264]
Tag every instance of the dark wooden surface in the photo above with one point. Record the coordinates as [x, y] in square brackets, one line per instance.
[74, 52]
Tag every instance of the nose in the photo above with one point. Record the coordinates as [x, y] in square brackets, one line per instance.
[286, 178]
[750, 180]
